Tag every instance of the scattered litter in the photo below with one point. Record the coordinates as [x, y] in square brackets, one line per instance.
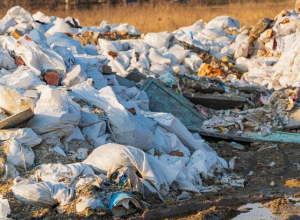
[123, 203]
[101, 118]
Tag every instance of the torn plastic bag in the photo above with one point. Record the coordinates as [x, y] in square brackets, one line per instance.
[158, 40]
[185, 180]
[85, 202]
[117, 67]
[6, 61]
[5, 23]
[126, 178]
[74, 76]
[166, 142]
[60, 39]
[75, 135]
[95, 131]
[39, 58]
[19, 14]
[168, 79]
[214, 33]
[285, 25]
[242, 48]
[25, 136]
[206, 162]
[140, 98]
[141, 63]
[39, 16]
[181, 70]
[87, 117]
[8, 43]
[67, 56]
[13, 101]
[23, 28]
[125, 127]
[67, 175]
[129, 29]
[138, 45]
[166, 158]
[173, 125]
[123, 203]
[4, 208]
[109, 46]
[107, 156]
[22, 78]
[91, 49]
[223, 22]
[18, 155]
[159, 69]
[156, 57]
[55, 116]
[61, 27]
[93, 66]
[38, 37]
[192, 62]
[7, 170]
[43, 194]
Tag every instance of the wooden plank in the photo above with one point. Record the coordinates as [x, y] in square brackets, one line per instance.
[16, 119]
[216, 102]
[275, 137]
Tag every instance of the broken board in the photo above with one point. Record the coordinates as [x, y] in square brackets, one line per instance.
[16, 119]
[216, 102]
[163, 100]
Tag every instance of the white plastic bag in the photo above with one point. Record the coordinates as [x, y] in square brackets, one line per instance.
[158, 40]
[25, 136]
[206, 162]
[6, 61]
[4, 208]
[126, 128]
[105, 157]
[39, 58]
[23, 78]
[166, 142]
[173, 125]
[65, 174]
[74, 76]
[55, 117]
[43, 194]
[18, 155]
[19, 14]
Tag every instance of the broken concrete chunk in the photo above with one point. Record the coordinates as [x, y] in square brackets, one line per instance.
[31, 94]
[260, 27]
[106, 69]
[269, 33]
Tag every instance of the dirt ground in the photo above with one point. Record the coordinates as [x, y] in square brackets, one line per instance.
[271, 173]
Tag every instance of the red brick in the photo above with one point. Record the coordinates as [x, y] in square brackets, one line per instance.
[51, 78]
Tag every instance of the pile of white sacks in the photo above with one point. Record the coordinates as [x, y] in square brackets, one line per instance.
[120, 138]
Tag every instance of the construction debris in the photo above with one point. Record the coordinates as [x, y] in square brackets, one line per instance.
[99, 118]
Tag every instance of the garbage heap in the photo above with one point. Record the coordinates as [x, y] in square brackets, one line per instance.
[77, 135]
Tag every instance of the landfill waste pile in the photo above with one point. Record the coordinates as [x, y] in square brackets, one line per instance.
[77, 128]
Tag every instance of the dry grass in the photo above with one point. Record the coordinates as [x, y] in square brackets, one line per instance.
[170, 16]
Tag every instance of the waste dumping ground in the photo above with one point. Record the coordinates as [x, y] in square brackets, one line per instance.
[106, 122]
